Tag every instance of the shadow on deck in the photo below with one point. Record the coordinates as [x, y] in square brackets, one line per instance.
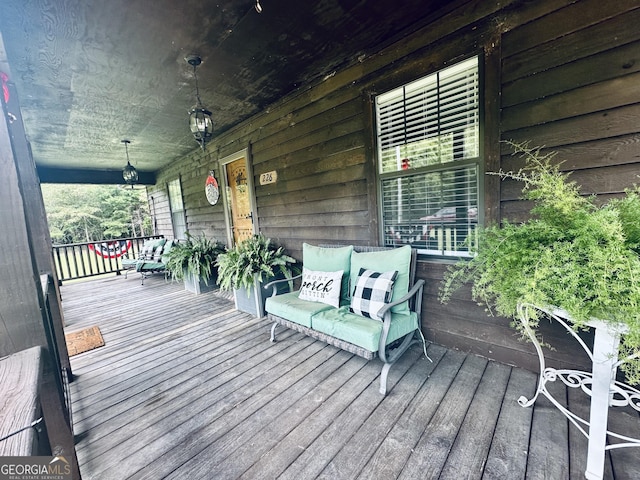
[188, 388]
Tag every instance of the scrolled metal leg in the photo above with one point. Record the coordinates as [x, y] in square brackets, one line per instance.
[273, 332]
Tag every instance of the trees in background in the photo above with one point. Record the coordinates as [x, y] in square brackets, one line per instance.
[87, 213]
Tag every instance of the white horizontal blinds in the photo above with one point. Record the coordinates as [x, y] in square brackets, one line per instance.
[431, 121]
[433, 212]
[428, 149]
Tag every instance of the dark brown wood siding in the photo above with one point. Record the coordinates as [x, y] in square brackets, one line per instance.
[202, 218]
[560, 74]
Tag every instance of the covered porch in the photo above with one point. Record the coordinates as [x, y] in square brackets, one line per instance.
[188, 387]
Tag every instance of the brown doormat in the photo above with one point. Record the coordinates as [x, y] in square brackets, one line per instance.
[83, 340]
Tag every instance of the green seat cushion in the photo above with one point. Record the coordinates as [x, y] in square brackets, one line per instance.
[149, 266]
[292, 308]
[398, 259]
[325, 259]
[361, 331]
[129, 262]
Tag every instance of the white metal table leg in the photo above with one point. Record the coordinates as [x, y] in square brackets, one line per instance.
[600, 384]
[605, 349]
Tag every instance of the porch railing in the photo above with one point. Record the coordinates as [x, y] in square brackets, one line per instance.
[82, 260]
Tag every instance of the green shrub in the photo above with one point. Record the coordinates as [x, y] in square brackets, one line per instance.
[195, 256]
[572, 253]
[238, 266]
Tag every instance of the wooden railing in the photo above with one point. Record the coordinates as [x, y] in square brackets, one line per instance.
[82, 260]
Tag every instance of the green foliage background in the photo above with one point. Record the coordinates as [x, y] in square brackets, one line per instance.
[573, 254]
[86, 213]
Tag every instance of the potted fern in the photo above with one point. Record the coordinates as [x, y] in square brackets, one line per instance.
[193, 261]
[574, 253]
[249, 265]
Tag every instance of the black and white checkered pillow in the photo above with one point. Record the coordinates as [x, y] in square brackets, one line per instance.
[372, 290]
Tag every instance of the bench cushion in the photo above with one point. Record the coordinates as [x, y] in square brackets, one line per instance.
[383, 261]
[329, 260]
[129, 262]
[292, 308]
[361, 331]
[143, 266]
[146, 252]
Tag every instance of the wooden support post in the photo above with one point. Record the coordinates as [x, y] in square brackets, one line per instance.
[26, 320]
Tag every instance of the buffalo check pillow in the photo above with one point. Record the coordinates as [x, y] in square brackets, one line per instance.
[371, 292]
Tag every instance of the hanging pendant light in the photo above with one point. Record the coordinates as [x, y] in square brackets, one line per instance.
[200, 121]
[129, 172]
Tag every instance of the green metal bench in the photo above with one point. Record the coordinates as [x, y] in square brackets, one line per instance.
[157, 264]
[366, 337]
[146, 253]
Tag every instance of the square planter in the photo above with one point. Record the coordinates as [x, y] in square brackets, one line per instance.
[198, 286]
[252, 301]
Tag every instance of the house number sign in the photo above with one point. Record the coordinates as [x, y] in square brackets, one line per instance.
[268, 177]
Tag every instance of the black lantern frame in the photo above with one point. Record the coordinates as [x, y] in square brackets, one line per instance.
[129, 172]
[200, 121]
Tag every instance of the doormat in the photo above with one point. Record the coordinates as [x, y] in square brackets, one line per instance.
[83, 340]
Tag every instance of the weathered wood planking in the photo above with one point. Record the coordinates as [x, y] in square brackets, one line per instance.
[186, 387]
[510, 446]
[20, 377]
[470, 450]
[549, 450]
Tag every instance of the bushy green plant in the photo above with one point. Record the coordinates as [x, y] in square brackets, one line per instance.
[196, 256]
[572, 253]
[238, 266]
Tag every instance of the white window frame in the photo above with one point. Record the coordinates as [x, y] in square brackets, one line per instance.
[429, 152]
[176, 206]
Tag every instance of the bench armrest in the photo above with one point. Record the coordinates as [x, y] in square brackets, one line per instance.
[385, 312]
[417, 288]
[274, 284]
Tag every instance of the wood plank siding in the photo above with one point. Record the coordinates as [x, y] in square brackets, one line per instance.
[560, 74]
[186, 387]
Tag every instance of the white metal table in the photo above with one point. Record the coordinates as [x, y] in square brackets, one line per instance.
[600, 384]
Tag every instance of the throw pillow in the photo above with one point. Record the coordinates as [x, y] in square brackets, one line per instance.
[329, 260]
[321, 286]
[371, 292]
[383, 261]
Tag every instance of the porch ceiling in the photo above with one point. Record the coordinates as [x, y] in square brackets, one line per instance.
[90, 73]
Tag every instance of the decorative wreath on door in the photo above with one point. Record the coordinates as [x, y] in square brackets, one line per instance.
[211, 189]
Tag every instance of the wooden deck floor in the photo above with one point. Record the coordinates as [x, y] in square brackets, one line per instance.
[188, 388]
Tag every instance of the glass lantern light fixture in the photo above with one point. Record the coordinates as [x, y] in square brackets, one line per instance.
[129, 172]
[200, 121]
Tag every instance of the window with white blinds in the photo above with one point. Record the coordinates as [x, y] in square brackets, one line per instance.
[178, 218]
[429, 159]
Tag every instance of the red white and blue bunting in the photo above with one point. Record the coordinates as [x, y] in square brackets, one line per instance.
[113, 249]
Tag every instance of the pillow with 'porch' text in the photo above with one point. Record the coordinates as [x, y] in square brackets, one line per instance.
[321, 287]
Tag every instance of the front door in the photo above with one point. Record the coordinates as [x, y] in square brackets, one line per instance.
[239, 196]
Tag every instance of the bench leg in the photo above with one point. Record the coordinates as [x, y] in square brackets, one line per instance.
[383, 378]
[389, 357]
[273, 332]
